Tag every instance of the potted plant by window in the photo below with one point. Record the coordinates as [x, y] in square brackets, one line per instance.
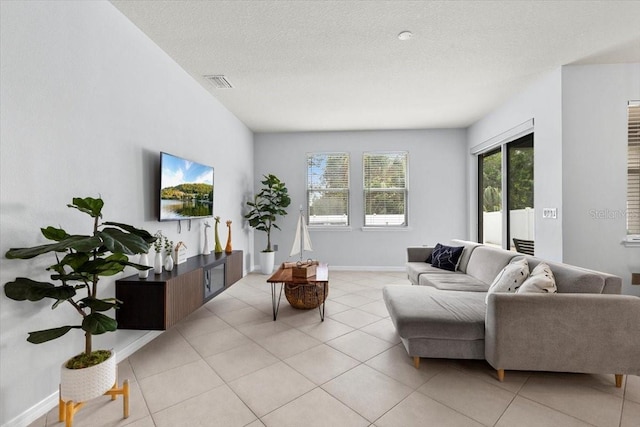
[80, 261]
[266, 207]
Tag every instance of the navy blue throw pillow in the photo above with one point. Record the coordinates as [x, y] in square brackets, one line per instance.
[446, 257]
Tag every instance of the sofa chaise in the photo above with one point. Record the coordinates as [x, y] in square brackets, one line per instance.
[587, 326]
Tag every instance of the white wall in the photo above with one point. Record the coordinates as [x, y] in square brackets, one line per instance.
[87, 103]
[594, 161]
[541, 101]
[437, 192]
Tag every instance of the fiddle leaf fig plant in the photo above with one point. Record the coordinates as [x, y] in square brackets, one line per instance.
[80, 261]
[268, 205]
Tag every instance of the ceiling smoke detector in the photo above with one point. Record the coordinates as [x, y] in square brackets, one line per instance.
[219, 81]
[405, 35]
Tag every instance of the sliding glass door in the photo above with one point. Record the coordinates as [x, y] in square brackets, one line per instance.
[506, 215]
[490, 197]
[520, 191]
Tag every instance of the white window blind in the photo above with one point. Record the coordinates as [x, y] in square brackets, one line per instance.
[328, 189]
[633, 169]
[385, 188]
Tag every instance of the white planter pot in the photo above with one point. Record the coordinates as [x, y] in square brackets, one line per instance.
[267, 259]
[81, 385]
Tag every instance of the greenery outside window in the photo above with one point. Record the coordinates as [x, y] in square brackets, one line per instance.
[385, 189]
[328, 189]
[633, 170]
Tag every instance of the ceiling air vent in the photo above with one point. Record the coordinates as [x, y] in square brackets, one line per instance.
[219, 81]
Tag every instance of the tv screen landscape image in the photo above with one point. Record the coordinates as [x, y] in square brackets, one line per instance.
[186, 189]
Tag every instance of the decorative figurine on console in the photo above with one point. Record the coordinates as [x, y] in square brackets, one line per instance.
[205, 247]
[218, 247]
[228, 248]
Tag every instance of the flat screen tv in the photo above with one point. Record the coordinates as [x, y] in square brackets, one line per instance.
[186, 189]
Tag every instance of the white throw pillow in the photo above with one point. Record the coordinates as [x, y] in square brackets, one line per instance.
[540, 280]
[510, 278]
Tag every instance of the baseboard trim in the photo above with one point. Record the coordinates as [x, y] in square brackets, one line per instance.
[367, 268]
[45, 405]
[354, 268]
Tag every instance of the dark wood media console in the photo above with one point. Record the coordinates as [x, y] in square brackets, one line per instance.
[160, 301]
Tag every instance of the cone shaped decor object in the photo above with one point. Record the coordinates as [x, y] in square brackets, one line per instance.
[228, 248]
[302, 241]
[205, 246]
[218, 248]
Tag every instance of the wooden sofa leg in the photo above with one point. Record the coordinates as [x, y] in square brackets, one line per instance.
[416, 362]
[619, 380]
[500, 375]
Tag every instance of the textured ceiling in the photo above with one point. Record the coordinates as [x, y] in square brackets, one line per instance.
[339, 65]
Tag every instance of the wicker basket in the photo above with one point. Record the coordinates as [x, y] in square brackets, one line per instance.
[304, 296]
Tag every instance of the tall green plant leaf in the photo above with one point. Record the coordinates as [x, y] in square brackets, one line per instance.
[97, 304]
[39, 337]
[26, 289]
[116, 240]
[88, 205]
[144, 234]
[109, 266]
[98, 323]
[74, 260]
[55, 234]
[79, 243]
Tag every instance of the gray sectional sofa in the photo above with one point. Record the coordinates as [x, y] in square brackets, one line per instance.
[587, 326]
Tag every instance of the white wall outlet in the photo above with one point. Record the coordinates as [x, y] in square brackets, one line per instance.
[551, 213]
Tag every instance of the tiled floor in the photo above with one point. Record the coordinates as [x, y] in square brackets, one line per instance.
[229, 364]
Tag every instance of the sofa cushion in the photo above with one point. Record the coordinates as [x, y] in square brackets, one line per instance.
[511, 277]
[446, 257]
[486, 262]
[449, 280]
[466, 253]
[424, 312]
[415, 270]
[540, 280]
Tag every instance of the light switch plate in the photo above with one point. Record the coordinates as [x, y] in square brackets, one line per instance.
[551, 213]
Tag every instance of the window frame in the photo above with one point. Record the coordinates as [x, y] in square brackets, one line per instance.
[633, 172]
[345, 190]
[404, 190]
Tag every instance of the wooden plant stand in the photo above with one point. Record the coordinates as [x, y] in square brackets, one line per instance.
[66, 410]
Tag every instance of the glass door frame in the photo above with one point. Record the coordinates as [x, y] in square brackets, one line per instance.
[503, 148]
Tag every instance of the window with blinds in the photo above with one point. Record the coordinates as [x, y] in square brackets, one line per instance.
[633, 169]
[385, 189]
[328, 189]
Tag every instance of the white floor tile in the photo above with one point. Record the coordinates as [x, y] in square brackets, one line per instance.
[360, 345]
[271, 387]
[419, 410]
[314, 409]
[219, 407]
[321, 363]
[585, 403]
[470, 396]
[527, 413]
[367, 391]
